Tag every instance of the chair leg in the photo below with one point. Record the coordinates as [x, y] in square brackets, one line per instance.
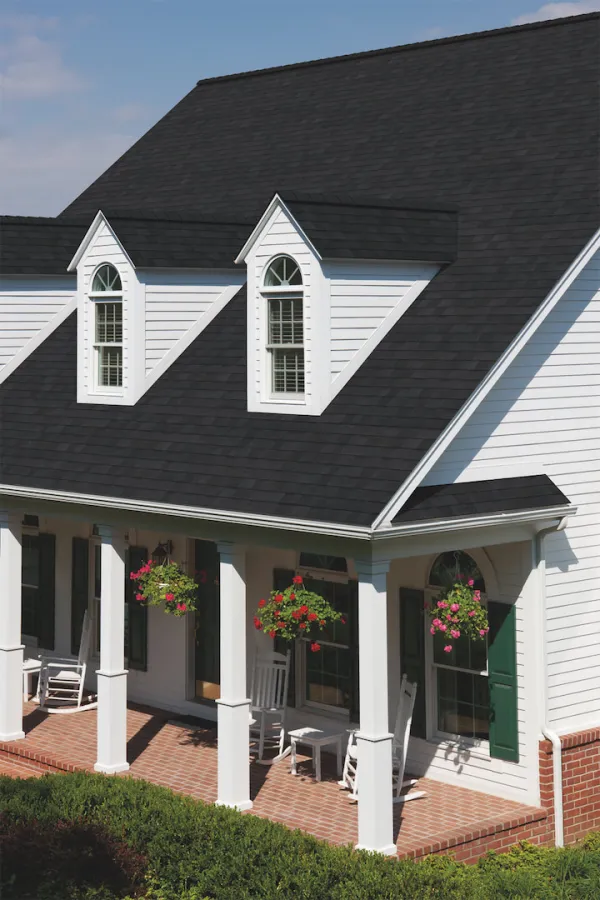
[261, 741]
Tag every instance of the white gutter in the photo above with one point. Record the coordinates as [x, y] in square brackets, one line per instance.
[283, 524]
[549, 734]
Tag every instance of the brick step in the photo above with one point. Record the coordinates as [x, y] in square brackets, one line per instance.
[51, 763]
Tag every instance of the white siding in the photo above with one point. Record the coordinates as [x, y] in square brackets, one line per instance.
[544, 415]
[362, 296]
[104, 248]
[279, 237]
[27, 304]
[175, 302]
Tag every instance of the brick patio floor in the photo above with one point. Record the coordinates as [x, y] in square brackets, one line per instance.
[183, 757]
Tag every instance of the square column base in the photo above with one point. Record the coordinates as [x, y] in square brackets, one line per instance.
[112, 723]
[11, 693]
[375, 794]
[233, 753]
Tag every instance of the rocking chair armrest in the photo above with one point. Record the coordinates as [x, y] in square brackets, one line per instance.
[62, 664]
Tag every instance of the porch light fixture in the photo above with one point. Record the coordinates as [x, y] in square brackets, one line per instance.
[162, 553]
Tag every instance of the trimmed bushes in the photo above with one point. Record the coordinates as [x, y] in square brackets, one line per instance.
[190, 850]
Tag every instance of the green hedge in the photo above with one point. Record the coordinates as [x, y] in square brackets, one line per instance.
[195, 851]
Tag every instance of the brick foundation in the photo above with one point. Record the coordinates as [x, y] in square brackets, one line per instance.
[581, 783]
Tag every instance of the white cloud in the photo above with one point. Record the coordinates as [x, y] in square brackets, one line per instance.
[130, 112]
[43, 171]
[32, 67]
[558, 11]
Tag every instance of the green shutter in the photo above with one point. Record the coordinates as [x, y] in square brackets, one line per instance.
[282, 578]
[79, 589]
[412, 651]
[136, 614]
[47, 591]
[353, 627]
[502, 676]
[208, 616]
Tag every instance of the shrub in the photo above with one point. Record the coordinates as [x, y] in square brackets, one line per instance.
[198, 852]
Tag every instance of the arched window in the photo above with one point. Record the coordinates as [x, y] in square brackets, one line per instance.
[460, 679]
[448, 566]
[282, 287]
[107, 300]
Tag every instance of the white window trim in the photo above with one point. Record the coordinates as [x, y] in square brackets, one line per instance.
[93, 298]
[266, 293]
[433, 733]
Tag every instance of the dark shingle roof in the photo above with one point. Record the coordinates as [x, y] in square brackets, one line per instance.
[179, 243]
[478, 498]
[33, 245]
[504, 125]
[352, 228]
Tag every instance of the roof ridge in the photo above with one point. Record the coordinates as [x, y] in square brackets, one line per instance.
[175, 218]
[401, 48]
[399, 205]
[41, 220]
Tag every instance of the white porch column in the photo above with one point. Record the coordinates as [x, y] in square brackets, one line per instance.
[11, 648]
[112, 676]
[374, 741]
[234, 704]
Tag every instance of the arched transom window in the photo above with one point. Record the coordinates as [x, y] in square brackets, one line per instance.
[448, 566]
[282, 287]
[107, 299]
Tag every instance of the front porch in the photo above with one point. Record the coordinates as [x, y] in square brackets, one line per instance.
[183, 757]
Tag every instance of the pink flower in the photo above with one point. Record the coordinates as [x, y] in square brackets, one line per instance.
[455, 633]
[455, 619]
[482, 631]
[448, 648]
[455, 607]
[262, 603]
[477, 596]
[470, 582]
[169, 597]
[442, 604]
[315, 647]
[181, 607]
[443, 627]
[436, 622]
[448, 617]
[471, 613]
[139, 597]
[432, 630]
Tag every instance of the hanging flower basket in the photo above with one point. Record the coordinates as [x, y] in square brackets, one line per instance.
[458, 612]
[295, 613]
[165, 584]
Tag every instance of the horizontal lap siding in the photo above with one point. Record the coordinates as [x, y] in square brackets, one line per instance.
[361, 299]
[280, 237]
[545, 412]
[26, 306]
[172, 309]
[105, 249]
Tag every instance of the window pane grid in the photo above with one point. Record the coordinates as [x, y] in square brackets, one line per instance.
[288, 371]
[286, 323]
[109, 323]
[463, 704]
[110, 366]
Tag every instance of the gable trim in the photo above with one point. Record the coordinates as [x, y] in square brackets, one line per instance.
[275, 204]
[384, 519]
[99, 218]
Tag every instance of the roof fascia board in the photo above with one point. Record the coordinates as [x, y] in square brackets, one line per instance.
[38, 339]
[434, 526]
[99, 219]
[434, 453]
[190, 512]
[276, 203]
[283, 524]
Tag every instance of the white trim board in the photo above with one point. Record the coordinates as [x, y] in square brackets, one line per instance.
[274, 206]
[89, 235]
[384, 519]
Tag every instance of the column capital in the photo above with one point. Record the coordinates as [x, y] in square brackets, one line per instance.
[367, 567]
[230, 548]
[11, 518]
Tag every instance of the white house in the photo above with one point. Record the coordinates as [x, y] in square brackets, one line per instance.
[379, 377]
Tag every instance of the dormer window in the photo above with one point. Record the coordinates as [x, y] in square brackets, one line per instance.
[107, 299]
[283, 291]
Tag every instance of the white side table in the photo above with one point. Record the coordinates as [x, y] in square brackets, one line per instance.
[30, 667]
[316, 738]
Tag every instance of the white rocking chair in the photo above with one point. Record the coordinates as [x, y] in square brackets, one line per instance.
[62, 680]
[270, 677]
[408, 693]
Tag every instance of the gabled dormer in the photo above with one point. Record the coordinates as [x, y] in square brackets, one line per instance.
[327, 279]
[146, 288]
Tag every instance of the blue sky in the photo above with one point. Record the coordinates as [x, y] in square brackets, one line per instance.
[81, 81]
